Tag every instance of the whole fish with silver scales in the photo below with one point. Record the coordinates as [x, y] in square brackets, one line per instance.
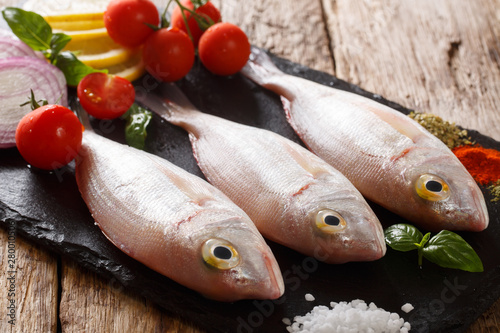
[174, 222]
[391, 159]
[295, 198]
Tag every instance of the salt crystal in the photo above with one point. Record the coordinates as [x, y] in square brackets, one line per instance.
[286, 321]
[407, 307]
[355, 316]
[309, 297]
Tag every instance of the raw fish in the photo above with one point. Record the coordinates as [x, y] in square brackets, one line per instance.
[174, 222]
[389, 157]
[295, 198]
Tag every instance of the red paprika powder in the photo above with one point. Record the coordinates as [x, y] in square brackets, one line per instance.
[482, 163]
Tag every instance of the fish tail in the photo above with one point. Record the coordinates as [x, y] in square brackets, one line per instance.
[173, 105]
[260, 68]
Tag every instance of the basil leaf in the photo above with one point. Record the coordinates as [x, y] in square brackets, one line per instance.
[448, 249]
[74, 70]
[403, 237]
[58, 42]
[138, 119]
[29, 27]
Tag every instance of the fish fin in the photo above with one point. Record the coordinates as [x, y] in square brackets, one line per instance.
[397, 120]
[287, 108]
[200, 192]
[306, 159]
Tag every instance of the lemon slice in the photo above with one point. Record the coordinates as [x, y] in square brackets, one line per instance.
[78, 35]
[75, 22]
[74, 17]
[106, 59]
[99, 52]
[131, 69]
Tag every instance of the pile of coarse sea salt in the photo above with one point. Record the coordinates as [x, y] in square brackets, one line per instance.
[355, 316]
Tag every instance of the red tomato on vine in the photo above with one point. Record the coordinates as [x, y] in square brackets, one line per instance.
[125, 21]
[168, 54]
[207, 11]
[224, 49]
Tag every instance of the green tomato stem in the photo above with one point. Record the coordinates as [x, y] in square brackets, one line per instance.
[164, 22]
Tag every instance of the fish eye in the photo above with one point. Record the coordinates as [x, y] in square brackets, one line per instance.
[220, 254]
[432, 188]
[329, 221]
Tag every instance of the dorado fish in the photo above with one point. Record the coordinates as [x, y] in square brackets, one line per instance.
[174, 222]
[295, 198]
[389, 157]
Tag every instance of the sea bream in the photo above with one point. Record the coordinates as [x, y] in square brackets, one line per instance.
[295, 198]
[175, 222]
[389, 157]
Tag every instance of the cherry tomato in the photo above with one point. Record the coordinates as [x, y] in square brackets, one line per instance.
[224, 49]
[125, 21]
[168, 54]
[49, 137]
[105, 96]
[208, 10]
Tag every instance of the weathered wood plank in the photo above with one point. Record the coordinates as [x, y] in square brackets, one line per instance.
[294, 30]
[487, 322]
[29, 286]
[440, 57]
[92, 304]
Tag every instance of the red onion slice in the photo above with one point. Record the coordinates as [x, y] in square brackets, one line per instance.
[10, 47]
[17, 76]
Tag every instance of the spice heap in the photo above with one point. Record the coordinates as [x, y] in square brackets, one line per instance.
[483, 164]
[449, 133]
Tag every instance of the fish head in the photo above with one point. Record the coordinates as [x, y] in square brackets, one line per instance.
[334, 225]
[234, 262]
[443, 195]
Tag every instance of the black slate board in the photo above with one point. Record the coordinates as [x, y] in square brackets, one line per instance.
[47, 209]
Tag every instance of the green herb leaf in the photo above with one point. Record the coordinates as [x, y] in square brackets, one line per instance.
[58, 42]
[74, 70]
[403, 237]
[138, 119]
[448, 249]
[29, 27]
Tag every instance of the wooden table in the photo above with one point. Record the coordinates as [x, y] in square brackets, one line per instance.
[441, 57]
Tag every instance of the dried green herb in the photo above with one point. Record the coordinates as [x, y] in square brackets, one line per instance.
[449, 133]
[495, 191]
